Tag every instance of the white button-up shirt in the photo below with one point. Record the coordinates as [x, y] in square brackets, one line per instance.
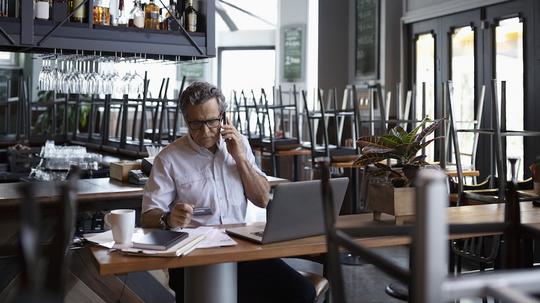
[184, 172]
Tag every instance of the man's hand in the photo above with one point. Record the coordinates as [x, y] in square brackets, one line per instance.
[180, 215]
[233, 138]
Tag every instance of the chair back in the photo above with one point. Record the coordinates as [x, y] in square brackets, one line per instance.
[48, 285]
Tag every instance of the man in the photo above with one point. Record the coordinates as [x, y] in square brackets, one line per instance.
[213, 167]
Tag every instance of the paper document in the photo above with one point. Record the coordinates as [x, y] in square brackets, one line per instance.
[183, 247]
[214, 237]
[199, 237]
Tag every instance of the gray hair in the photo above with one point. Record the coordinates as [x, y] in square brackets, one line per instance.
[200, 92]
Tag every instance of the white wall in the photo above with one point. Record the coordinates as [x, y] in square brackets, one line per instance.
[299, 12]
[417, 10]
[334, 45]
[247, 38]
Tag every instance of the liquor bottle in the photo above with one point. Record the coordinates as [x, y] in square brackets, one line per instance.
[151, 16]
[190, 17]
[160, 18]
[123, 18]
[80, 14]
[59, 10]
[4, 9]
[169, 23]
[137, 14]
[41, 9]
[102, 15]
[113, 8]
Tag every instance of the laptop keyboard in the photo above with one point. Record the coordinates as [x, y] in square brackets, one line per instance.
[257, 233]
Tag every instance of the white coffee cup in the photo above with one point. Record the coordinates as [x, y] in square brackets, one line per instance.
[122, 222]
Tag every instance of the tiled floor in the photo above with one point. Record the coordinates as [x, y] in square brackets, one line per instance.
[365, 283]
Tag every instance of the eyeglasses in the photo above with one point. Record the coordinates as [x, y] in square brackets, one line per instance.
[198, 124]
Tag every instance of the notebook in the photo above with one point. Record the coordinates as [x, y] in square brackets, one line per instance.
[159, 239]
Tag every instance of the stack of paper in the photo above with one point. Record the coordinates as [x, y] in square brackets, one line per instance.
[200, 237]
[214, 237]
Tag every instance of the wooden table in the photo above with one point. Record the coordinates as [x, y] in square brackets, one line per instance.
[116, 263]
[89, 190]
[222, 261]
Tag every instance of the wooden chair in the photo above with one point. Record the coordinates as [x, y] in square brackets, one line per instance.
[319, 282]
[275, 143]
[11, 128]
[482, 251]
[253, 127]
[237, 112]
[48, 285]
[337, 152]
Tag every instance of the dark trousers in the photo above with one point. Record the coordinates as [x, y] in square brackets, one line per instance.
[260, 281]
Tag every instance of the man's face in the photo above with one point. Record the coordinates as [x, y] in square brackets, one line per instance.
[207, 134]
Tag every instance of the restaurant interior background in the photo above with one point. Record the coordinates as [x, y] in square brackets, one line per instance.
[398, 46]
[412, 48]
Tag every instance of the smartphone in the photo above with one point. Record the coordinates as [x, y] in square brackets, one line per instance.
[224, 118]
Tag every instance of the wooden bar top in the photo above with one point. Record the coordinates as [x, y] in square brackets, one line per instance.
[113, 262]
[88, 190]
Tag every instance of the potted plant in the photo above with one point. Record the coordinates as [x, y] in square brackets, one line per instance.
[390, 189]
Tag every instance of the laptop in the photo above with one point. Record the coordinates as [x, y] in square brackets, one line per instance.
[294, 212]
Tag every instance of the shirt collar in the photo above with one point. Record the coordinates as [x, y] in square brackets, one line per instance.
[203, 150]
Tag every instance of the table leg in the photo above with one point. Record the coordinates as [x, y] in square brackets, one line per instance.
[214, 283]
[295, 168]
[354, 181]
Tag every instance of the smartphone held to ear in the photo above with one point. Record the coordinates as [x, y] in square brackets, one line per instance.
[224, 118]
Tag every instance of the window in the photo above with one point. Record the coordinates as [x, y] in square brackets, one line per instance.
[509, 68]
[247, 69]
[462, 75]
[7, 58]
[471, 48]
[425, 73]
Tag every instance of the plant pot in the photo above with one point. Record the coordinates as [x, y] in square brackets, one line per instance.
[398, 202]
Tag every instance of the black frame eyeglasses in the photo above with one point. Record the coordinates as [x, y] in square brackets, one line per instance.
[211, 123]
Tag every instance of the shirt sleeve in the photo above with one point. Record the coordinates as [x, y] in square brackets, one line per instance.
[160, 190]
[251, 157]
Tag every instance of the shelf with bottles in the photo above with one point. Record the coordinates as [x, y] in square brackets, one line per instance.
[91, 33]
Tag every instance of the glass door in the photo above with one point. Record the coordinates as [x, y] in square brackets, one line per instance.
[461, 56]
[509, 68]
[424, 57]
[510, 38]
[471, 48]
[425, 83]
[462, 66]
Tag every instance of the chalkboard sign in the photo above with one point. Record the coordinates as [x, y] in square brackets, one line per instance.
[192, 71]
[367, 39]
[293, 53]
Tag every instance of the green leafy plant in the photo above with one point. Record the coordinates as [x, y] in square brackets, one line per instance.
[43, 121]
[400, 145]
